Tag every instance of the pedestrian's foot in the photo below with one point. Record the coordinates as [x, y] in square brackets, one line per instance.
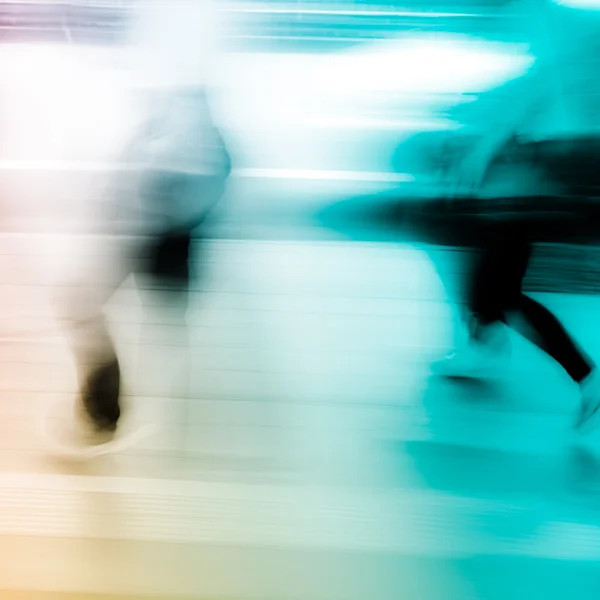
[473, 361]
[75, 435]
[462, 364]
[74, 441]
[590, 398]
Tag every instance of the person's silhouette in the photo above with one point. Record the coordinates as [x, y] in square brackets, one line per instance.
[548, 124]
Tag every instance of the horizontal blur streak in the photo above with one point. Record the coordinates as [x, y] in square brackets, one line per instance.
[295, 444]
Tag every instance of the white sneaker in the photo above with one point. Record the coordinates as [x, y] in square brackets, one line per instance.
[590, 398]
[76, 438]
[73, 435]
[476, 360]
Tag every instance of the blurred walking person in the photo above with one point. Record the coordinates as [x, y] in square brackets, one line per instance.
[541, 143]
[177, 170]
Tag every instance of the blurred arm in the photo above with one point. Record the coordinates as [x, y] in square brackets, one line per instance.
[496, 117]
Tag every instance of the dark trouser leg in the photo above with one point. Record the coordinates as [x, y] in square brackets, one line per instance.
[497, 280]
[497, 292]
[166, 274]
[546, 331]
[498, 275]
[168, 259]
[93, 348]
[95, 352]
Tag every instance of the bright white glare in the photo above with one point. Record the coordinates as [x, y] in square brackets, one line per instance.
[425, 66]
[326, 175]
[584, 4]
[415, 124]
[295, 10]
[63, 102]
[310, 90]
[176, 41]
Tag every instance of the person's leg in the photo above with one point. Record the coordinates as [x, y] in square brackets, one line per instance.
[99, 373]
[494, 281]
[494, 287]
[572, 163]
[547, 332]
[163, 354]
[82, 308]
[499, 287]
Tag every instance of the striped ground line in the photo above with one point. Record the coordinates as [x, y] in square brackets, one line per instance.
[326, 175]
[349, 13]
[418, 523]
[252, 173]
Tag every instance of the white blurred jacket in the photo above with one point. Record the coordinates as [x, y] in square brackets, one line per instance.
[177, 166]
[559, 96]
[175, 42]
[566, 85]
[176, 170]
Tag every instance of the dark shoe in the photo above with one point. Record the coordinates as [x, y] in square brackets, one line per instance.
[100, 397]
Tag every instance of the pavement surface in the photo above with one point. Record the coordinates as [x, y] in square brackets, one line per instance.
[302, 449]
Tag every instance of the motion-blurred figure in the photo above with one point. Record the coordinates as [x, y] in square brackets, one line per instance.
[177, 170]
[542, 142]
